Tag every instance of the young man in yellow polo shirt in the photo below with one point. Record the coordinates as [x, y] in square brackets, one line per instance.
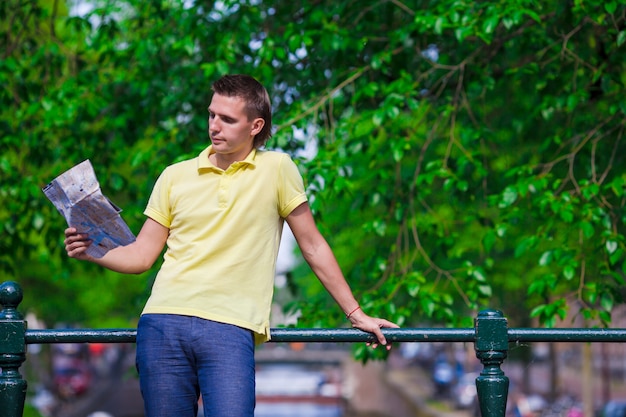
[221, 216]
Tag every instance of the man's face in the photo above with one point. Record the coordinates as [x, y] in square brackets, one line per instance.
[231, 133]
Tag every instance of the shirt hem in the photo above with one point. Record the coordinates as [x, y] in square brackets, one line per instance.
[261, 332]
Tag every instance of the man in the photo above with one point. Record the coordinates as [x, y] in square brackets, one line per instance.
[220, 216]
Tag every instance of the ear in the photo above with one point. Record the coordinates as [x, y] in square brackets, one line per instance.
[257, 126]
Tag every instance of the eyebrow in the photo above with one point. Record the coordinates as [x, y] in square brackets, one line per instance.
[220, 114]
[225, 117]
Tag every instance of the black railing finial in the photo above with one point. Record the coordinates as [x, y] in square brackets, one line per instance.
[13, 354]
[11, 296]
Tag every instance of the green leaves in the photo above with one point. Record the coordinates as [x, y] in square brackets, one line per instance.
[611, 6]
[466, 151]
[549, 313]
[509, 197]
[621, 38]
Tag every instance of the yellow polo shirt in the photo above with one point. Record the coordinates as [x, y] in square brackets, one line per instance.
[225, 229]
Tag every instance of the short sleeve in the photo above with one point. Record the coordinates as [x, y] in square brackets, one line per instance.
[291, 192]
[159, 208]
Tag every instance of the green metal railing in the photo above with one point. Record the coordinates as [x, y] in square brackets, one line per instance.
[490, 335]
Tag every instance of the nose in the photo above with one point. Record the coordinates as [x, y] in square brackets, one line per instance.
[214, 125]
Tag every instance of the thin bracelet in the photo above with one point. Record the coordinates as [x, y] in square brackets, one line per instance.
[352, 312]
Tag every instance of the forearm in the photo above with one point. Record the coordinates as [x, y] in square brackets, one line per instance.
[324, 265]
[125, 259]
[320, 257]
[135, 258]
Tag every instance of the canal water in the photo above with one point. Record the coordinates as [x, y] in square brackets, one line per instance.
[349, 389]
[304, 410]
[298, 410]
[299, 390]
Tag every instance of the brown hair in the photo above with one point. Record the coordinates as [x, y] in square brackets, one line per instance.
[256, 97]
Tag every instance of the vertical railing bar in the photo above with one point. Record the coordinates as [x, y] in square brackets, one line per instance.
[492, 345]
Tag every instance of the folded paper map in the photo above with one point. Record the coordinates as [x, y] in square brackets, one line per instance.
[76, 194]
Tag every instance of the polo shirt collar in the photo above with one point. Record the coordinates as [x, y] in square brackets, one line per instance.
[205, 163]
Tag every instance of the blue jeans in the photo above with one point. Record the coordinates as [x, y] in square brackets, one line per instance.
[181, 357]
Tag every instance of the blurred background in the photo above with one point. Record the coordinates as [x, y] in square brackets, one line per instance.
[457, 156]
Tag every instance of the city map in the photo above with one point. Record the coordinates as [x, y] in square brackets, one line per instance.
[77, 195]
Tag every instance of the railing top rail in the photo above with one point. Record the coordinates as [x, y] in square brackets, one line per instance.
[519, 335]
[44, 336]
[37, 336]
[567, 335]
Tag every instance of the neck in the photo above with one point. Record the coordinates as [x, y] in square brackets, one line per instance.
[223, 161]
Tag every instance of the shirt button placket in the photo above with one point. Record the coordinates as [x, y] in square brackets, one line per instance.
[223, 190]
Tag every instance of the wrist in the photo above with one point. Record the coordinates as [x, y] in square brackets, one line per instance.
[354, 310]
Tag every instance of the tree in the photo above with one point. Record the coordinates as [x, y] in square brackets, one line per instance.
[480, 146]
[466, 151]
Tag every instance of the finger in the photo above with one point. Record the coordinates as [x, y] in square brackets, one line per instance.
[70, 238]
[77, 238]
[78, 245]
[379, 336]
[78, 248]
[75, 253]
[70, 231]
[72, 242]
[387, 323]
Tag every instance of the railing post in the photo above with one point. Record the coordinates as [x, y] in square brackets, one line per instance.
[12, 351]
[492, 344]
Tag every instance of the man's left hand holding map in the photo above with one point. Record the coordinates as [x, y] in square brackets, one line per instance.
[76, 194]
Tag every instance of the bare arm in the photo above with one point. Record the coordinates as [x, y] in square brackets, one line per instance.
[135, 258]
[320, 257]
